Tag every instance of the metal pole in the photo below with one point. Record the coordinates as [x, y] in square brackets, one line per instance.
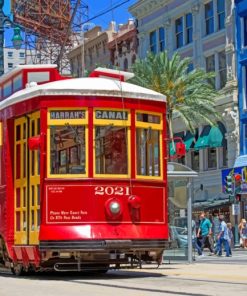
[82, 54]
[83, 48]
[236, 239]
[189, 219]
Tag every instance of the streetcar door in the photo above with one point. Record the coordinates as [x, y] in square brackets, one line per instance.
[27, 181]
[34, 182]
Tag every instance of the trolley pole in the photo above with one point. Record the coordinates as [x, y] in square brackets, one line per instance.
[17, 39]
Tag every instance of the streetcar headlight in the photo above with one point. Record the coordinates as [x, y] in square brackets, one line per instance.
[115, 207]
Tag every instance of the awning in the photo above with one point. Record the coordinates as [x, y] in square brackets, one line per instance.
[203, 140]
[241, 161]
[188, 140]
[210, 137]
[215, 137]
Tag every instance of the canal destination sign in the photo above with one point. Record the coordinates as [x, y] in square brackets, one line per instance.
[111, 114]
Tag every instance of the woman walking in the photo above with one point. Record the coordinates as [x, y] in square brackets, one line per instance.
[243, 232]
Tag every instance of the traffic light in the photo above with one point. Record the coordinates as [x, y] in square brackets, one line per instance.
[237, 197]
[228, 186]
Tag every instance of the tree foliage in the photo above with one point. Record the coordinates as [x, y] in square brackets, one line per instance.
[190, 95]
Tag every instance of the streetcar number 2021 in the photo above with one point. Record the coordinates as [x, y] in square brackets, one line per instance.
[110, 190]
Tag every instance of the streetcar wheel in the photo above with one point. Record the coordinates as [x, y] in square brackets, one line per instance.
[17, 269]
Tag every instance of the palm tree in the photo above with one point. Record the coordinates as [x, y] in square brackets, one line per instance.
[190, 95]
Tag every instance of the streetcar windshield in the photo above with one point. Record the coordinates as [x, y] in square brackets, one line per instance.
[111, 146]
[67, 149]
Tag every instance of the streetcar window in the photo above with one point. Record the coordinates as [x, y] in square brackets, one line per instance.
[148, 152]
[67, 149]
[143, 117]
[111, 150]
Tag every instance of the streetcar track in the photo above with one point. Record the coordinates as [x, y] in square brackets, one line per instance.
[143, 289]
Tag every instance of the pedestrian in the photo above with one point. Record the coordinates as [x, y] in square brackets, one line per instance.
[194, 238]
[216, 226]
[204, 231]
[243, 232]
[230, 237]
[223, 238]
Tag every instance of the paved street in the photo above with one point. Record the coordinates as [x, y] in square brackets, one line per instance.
[207, 276]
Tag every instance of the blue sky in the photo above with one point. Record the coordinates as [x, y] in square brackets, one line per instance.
[120, 15]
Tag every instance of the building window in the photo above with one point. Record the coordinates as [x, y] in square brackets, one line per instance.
[10, 54]
[161, 39]
[209, 17]
[104, 47]
[179, 32]
[245, 31]
[189, 29]
[210, 67]
[190, 67]
[152, 37]
[244, 87]
[222, 69]
[125, 64]
[217, 63]
[22, 55]
[133, 59]
[10, 65]
[212, 158]
[221, 14]
[224, 155]
[244, 137]
[195, 160]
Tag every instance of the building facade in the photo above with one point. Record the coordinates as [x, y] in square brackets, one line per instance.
[14, 57]
[204, 31]
[92, 51]
[123, 46]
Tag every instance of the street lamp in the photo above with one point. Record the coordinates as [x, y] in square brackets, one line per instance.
[83, 47]
[17, 39]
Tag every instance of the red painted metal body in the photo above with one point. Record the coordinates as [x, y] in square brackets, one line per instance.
[74, 215]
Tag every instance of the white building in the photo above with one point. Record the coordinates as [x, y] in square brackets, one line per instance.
[204, 31]
[14, 57]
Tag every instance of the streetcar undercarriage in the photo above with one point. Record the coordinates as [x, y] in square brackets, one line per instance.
[100, 257]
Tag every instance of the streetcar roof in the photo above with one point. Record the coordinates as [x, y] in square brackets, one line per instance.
[84, 87]
[19, 68]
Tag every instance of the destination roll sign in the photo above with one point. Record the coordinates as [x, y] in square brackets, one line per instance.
[67, 114]
[111, 114]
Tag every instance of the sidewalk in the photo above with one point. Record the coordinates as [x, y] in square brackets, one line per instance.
[211, 268]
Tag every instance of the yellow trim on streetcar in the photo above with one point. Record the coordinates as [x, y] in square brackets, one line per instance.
[34, 186]
[20, 184]
[60, 122]
[153, 126]
[114, 176]
[114, 112]
[71, 121]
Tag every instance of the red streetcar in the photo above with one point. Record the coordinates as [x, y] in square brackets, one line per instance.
[83, 182]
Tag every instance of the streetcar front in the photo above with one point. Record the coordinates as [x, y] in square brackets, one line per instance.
[105, 192]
